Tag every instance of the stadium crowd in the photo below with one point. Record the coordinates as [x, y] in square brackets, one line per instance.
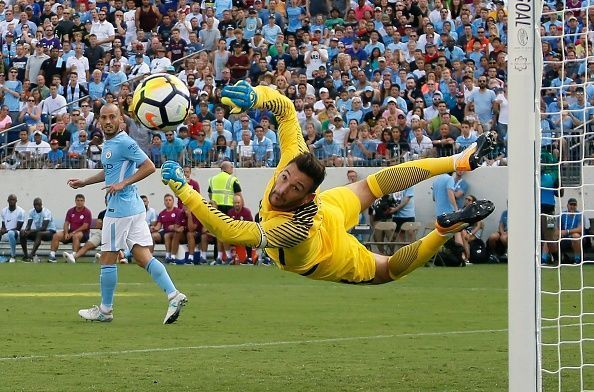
[373, 83]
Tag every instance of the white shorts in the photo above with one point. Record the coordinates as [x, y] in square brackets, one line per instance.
[95, 238]
[124, 233]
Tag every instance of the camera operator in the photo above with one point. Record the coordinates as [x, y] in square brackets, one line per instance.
[382, 211]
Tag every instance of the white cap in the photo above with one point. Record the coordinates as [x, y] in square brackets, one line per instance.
[324, 90]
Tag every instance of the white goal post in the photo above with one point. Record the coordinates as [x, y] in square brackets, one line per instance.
[551, 156]
[523, 197]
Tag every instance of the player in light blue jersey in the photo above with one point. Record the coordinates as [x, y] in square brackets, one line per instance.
[40, 227]
[124, 226]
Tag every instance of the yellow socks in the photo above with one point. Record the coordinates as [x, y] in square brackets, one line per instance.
[415, 255]
[396, 178]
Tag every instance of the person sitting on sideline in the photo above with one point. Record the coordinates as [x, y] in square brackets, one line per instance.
[13, 218]
[163, 231]
[40, 227]
[93, 242]
[497, 242]
[77, 226]
[571, 232]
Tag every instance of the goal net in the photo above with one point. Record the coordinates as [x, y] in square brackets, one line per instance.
[551, 149]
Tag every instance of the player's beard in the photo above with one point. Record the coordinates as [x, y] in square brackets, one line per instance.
[279, 203]
[109, 130]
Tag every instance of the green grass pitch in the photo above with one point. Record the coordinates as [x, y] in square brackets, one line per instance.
[254, 329]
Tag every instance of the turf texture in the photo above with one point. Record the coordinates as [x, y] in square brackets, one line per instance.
[254, 329]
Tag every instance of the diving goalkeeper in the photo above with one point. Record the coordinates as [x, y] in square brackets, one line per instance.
[304, 231]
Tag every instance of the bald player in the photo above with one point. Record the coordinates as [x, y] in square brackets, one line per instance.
[124, 225]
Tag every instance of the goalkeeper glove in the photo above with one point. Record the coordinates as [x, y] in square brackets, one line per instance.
[172, 174]
[240, 98]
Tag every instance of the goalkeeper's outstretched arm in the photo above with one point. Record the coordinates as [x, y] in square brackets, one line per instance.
[269, 234]
[219, 224]
[243, 97]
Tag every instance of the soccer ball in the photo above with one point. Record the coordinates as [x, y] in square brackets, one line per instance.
[161, 102]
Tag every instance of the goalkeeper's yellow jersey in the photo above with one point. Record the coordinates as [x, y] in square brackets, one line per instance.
[295, 240]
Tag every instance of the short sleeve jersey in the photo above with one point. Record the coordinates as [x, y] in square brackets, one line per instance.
[441, 185]
[120, 158]
[79, 218]
[11, 218]
[151, 215]
[168, 218]
[39, 217]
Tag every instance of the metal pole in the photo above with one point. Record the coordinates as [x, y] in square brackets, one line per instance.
[187, 57]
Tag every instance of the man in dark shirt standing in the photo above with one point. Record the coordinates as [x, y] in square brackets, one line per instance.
[245, 44]
[53, 66]
[177, 46]
[458, 110]
[238, 62]
[19, 62]
[294, 60]
[93, 52]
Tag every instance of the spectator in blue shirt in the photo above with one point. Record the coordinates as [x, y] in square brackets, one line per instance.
[173, 148]
[294, 12]
[572, 230]
[362, 149]
[55, 156]
[115, 78]
[262, 147]
[271, 30]
[77, 151]
[11, 90]
[327, 150]
[483, 99]
[155, 150]
[356, 112]
[466, 138]
[96, 86]
[200, 149]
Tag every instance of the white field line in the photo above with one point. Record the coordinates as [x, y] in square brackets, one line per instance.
[260, 344]
[249, 344]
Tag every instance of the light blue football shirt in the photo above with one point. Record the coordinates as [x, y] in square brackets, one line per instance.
[408, 211]
[441, 185]
[39, 217]
[120, 158]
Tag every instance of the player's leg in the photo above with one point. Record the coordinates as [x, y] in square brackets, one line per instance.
[174, 241]
[191, 241]
[56, 239]
[139, 240]
[167, 240]
[112, 239]
[24, 238]
[493, 241]
[576, 247]
[415, 255]
[204, 239]
[396, 178]
[77, 238]
[40, 236]
[88, 246]
[13, 236]
[108, 280]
